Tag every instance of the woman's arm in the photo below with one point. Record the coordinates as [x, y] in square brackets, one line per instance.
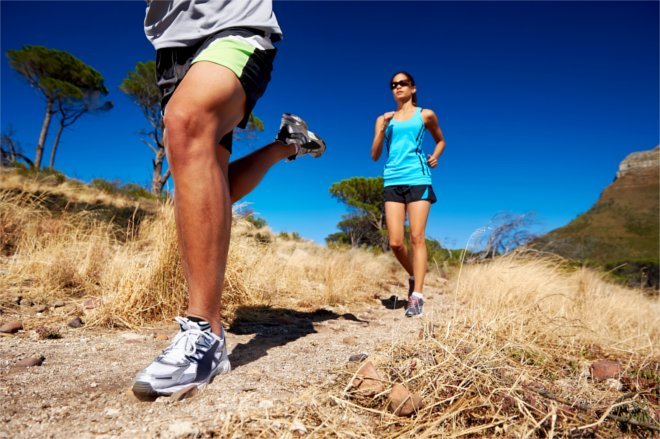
[431, 124]
[379, 135]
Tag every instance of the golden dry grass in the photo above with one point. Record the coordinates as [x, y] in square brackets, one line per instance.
[512, 359]
[131, 267]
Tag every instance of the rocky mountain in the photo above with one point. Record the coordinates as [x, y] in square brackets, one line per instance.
[623, 225]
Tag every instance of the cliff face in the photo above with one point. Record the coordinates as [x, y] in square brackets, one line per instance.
[623, 224]
[640, 162]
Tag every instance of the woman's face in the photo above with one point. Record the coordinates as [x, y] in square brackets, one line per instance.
[402, 87]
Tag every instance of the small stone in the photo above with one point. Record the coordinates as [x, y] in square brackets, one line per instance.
[11, 327]
[47, 333]
[298, 427]
[111, 413]
[40, 308]
[132, 336]
[368, 381]
[91, 303]
[18, 299]
[161, 337]
[614, 384]
[602, 370]
[76, 323]
[358, 358]
[31, 362]
[186, 392]
[351, 341]
[59, 304]
[183, 429]
[402, 402]
[93, 385]
[266, 404]
[25, 302]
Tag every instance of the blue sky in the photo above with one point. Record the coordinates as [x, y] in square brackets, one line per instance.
[538, 101]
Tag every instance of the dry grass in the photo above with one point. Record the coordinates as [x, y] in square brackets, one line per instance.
[512, 360]
[66, 249]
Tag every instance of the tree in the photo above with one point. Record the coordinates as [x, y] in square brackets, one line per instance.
[506, 232]
[71, 109]
[10, 150]
[366, 223]
[59, 76]
[141, 86]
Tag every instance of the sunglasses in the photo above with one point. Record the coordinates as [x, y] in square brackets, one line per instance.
[404, 83]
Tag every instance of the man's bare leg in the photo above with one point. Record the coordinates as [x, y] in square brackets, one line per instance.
[246, 172]
[208, 103]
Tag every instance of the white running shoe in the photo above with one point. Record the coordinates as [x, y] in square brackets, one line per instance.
[195, 356]
[293, 130]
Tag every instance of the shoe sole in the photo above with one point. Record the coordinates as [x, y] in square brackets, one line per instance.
[143, 389]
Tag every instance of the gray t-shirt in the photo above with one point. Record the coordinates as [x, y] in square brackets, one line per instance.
[183, 23]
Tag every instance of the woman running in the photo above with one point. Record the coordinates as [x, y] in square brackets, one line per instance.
[407, 179]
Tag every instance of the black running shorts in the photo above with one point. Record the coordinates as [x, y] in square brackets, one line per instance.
[408, 194]
[251, 65]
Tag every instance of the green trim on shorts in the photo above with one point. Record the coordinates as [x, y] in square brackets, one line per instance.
[229, 53]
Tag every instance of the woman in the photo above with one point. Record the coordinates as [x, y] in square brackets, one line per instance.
[407, 179]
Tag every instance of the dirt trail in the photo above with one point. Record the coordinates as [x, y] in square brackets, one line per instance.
[277, 356]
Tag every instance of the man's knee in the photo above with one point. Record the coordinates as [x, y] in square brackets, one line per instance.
[186, 137]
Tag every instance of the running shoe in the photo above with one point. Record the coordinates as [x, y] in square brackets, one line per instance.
[415, 306]
[195, 356]
[293, 130]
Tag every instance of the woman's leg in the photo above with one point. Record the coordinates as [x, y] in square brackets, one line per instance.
[395, 217]
[418, 213]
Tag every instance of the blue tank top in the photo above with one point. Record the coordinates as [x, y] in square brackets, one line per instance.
[406, 164]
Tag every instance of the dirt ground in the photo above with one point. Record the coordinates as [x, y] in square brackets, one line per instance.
[279, 358]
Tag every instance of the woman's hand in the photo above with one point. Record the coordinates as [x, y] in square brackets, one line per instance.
[432, 161]
[386, 118]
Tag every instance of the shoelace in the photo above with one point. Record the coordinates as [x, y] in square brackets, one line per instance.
[184, 344]
[412, 301]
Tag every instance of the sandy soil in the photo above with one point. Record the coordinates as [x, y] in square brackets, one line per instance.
[279, 357]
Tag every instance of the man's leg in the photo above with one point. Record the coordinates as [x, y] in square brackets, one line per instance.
[246, 172]
[208, 103]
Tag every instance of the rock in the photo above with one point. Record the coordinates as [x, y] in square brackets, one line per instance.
[639, 160]
[59, 304]
[76, 323]
[298, 427]
[132, 336]
[90, 303]
[614, 384]
[186, 392]
[25, 302]
[40, 308]
[602, 370]
[367, 380]
[31, 362]
[358, 358]
[183, 429]
[351, 341]
[111, 413]
[161, 337]
[47, 333]
[266, 404]
[18, 299]
[11, 327]
[402, 402]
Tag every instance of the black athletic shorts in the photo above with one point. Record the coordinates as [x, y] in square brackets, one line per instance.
[407, 194]
[252, 66]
